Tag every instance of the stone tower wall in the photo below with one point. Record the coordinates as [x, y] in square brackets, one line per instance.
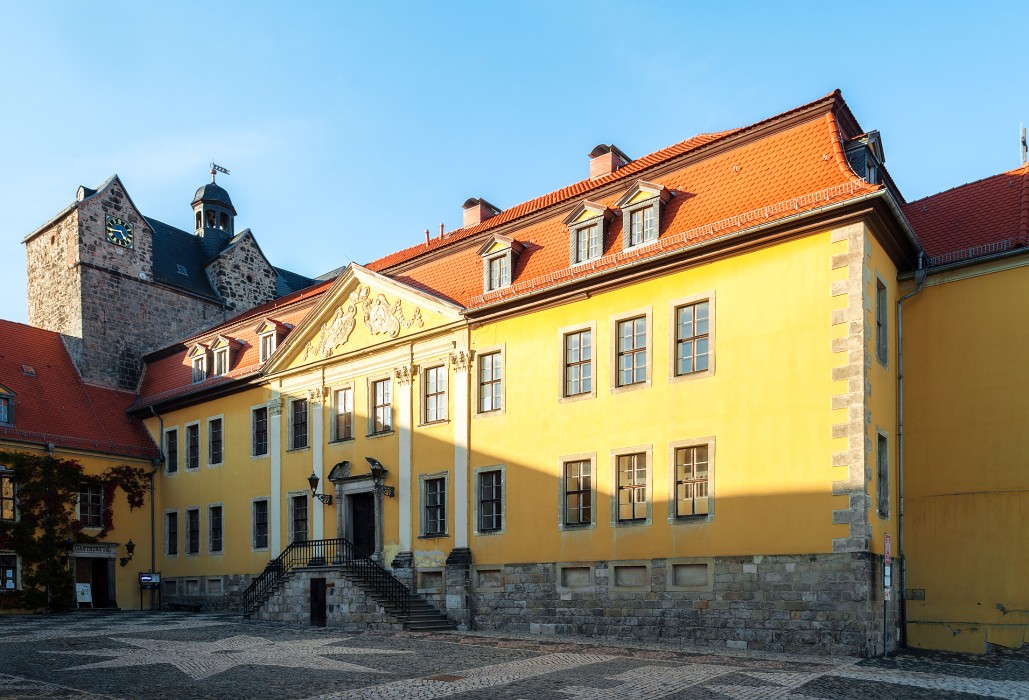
[54, 286]
[242, 276]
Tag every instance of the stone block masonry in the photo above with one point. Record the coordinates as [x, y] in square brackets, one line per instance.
[819, 603]
[347, 606]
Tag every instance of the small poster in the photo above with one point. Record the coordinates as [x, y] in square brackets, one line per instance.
[83, 593]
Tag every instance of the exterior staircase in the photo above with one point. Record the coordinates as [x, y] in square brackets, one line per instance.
[411, 610]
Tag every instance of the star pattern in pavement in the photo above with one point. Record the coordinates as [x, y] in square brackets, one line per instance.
[201, 660]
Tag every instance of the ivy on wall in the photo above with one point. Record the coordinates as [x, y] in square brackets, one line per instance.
[47, 490]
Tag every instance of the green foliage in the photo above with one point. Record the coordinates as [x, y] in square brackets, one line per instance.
[46, 527]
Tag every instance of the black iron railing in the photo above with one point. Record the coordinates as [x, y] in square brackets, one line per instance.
[339, 553]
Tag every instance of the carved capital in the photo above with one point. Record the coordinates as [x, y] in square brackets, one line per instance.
[404, 374]
[275, 407]
[461, 360]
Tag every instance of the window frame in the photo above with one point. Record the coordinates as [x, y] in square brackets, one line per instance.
[199, 369]
[7, 475]
[501, 264]
[479, 356]
[658, 196]
[647, 314]
[271, 340]
[882, 474]
[439, 398]
[7, 405]
[171, 544]
[254, 410]
[211, 436]
[191, 534]
[293, 423]
[562, 334]
[673, 336]
[646, 452]
[188, 464]
[100, 506]
[295, 497]
[169, 463]
[254, 544]
[881, 309]
[477, 500]
[595, 229]
[348, 391]
[220, 362]
[210, 528]
[423, 507]
[589, 458]
[15, 572]
[673, 448]
[374, 407]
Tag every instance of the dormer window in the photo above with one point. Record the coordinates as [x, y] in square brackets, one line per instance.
[641, 213]
[221, 361]
[6, 407]
[270, 333]
[865, 155]
[499, 255]
[224, 351]
[198, 360]
[587, 225]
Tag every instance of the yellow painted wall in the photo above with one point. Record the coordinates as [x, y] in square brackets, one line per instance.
[767, 406]
[967, 492]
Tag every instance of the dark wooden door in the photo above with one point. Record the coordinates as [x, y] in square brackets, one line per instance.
[317, 602]
[363, 513]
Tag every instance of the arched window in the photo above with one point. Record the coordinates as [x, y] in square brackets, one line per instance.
[198, 219]
[225, 221]
[210, 219]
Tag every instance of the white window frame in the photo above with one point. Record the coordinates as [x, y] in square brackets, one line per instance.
[373, 406]
[289, 424]
[562, 335]
[562, 526]
[290, 511]
[477, 500]
[210, 529]
[178, 532]
[199, 368]
[673, 516]
[597, 224]
[6, 473]
[253, 524]
[441, 416]
[185, 532]
[78, 507]
[648, 491]
[179, 464]
[210, 436]
[647, 313]
[253, 431]
[334, 427]
[269, 339]
[185, 445]
[673, 336]
[221, 362]
[423, 514]
[477, 381]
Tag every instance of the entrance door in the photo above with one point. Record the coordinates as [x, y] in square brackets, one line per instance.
[362, 509]
[94, 572]
[317, 602]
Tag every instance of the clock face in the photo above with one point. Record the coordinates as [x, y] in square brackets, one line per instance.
[119, 231]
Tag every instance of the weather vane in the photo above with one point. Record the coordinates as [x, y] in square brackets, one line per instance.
[215, 168]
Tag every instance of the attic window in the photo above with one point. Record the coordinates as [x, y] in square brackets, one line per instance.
[270, 332]
[587, 228]
[182, 270]
[499, 255]
[641, 213]
[6, 408]
[199, 369]
[221, 361]
[268, 343]
[28, 370]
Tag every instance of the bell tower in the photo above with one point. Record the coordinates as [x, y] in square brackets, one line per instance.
[213, 214]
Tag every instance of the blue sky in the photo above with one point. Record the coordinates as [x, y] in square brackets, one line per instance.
[350, 128]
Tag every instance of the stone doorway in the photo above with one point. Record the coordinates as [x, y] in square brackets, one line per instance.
[97, 573]
[362, 513]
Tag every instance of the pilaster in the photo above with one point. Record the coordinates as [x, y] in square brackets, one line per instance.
[461, 363]
[403, 377]
[275, 487]
[315, 400]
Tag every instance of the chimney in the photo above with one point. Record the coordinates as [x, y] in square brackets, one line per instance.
[477, 210]
[604, 160]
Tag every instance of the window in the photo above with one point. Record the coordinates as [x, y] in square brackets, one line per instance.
[382, 407]
[881, 315]
[8, 572]
[435, 394]
[641, 226]
[298, 529]
[214, 529]
[8, 496]
[491, 484]
[692, 476]
[298, 424]
[91, 505]
[882, 480]
[632, 487]
[259, 431]
[343, 407]
[499, 272]
[435, 500]
[260, 522]
[193, 446]
[692, 338]
[6, 409]
[578, 363]
[578, 493]
[267, 346]
[171, 450]
[199, 369]
[490, 382]
[214, 441]
[588, 243]
[171, 534]
[193, 531]
[632, 351]
[221, 361]
[641, 212]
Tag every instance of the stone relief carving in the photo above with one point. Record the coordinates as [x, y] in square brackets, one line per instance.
[461, 360]
[404, 374]
[275, 407]
[378, 316]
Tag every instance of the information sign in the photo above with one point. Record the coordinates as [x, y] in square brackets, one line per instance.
[83, 593]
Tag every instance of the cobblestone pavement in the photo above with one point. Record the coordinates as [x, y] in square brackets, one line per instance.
[183, 655]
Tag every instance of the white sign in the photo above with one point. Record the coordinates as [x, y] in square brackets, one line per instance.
[889, 556]
[83, 593]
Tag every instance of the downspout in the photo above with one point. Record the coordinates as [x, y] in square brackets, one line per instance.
[920, 275]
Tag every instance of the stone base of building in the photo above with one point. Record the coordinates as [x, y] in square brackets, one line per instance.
[817, 604]
[347, 606]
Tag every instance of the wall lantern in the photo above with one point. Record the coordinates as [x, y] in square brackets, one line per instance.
[130, 548]
[378, 476]
[313, 480]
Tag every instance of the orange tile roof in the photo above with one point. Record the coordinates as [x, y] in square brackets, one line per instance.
[987, 216]
[56, 406]
[737, 179]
